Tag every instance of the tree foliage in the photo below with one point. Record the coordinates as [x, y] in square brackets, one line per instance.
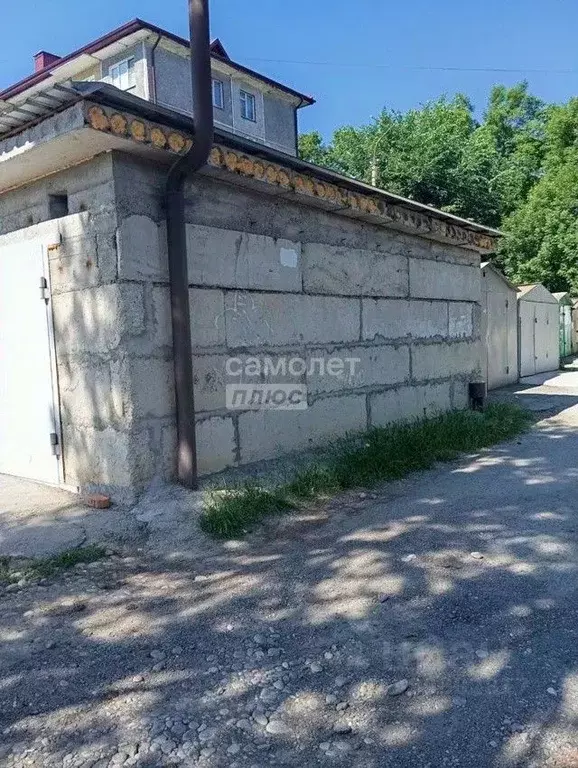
[516, 169]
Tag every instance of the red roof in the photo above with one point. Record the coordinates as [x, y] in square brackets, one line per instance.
[217, 50]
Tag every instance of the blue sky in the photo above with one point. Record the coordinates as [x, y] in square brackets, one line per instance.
[353, 56]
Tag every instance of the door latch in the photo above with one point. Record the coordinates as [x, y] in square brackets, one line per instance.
[54, 444]
[43, 289]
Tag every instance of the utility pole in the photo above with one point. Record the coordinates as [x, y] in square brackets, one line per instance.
[373, 165]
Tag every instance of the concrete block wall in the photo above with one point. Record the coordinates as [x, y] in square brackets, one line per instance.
[267, 278]
[270, 278]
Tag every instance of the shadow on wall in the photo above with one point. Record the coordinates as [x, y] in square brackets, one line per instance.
[115, 436]
[386, 590]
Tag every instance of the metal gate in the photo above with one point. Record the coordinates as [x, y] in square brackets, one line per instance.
[29, 417]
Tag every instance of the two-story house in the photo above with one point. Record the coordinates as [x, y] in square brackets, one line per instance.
[153, 64]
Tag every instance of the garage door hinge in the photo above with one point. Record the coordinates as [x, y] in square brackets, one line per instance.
[43, 289]
[54, 444]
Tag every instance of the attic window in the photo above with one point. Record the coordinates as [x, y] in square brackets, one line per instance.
[218, 95]
[248, 109]
[122, 74]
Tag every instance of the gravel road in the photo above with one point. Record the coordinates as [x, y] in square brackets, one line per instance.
[432, 623]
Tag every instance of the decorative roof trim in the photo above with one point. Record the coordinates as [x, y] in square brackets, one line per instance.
[282, 180]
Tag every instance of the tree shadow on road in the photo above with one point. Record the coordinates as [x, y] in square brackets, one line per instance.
[461, 581]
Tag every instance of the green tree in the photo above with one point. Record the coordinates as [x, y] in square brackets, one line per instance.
[541, 242]
[312, 149]
[517, 169]
[516, 122]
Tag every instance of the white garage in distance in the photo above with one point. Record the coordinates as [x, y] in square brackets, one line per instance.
[538, 334]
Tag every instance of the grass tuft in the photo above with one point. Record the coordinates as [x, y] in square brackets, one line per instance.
[13, 570]
[379, 455]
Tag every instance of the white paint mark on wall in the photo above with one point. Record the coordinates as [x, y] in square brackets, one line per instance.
[288, 257]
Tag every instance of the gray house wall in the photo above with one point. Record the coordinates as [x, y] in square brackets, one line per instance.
[275, 123]
[406, 308]
[173, 81]
[279, 124]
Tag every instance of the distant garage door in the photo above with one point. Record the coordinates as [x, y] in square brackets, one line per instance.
[538, 334]
[29, 422]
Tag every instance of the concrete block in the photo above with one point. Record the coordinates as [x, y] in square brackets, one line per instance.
[267, 434]
[410, 245]
[99, 319]
[215, 444]
[162, 331]
[74, 264]
[454, 254]
[107, 458]
[146, 386]
[140, 255]
[353, 271]
[396, 318]
[439, 280]
[368, 367]
[436, 361]
[460, 319]
[460, 394]
[207, 309]
[87, 396]
[139, 187]
[232, 259]
[210, 379]
[409, 403]
[106, 255]
[255, 319]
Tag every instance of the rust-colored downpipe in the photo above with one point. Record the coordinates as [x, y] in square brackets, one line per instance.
[186, 165]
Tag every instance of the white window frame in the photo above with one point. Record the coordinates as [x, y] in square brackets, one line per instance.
[218, 88]
[116, 76]
[246, 98]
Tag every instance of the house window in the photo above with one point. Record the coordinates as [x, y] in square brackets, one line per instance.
[248, 111]
[122, 74]
[218, 95]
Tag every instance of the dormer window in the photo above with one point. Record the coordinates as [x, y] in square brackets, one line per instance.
[218, 94]
[122, 74]
[248, 109]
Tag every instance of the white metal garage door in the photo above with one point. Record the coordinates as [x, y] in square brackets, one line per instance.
[539, 345]
[28, 415]
[501, 339]
[547, 337]
[527, 320]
